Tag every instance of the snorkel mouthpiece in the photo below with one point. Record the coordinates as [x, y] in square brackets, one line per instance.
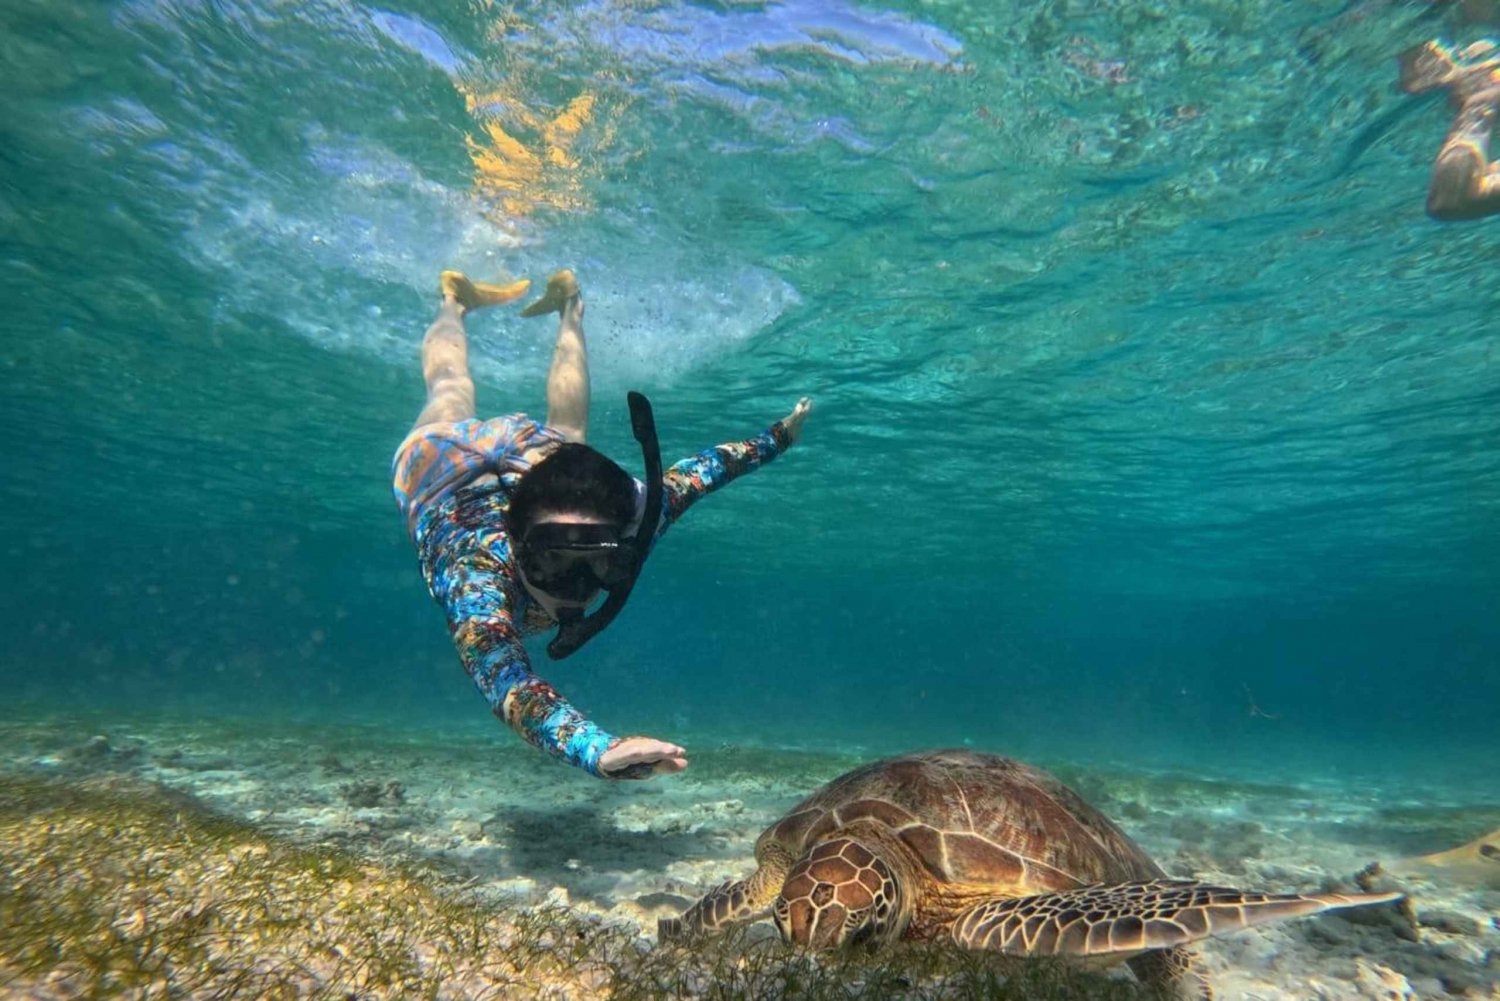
[576, 630]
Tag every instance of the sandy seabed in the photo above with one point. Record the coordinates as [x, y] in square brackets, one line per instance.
[485, 813]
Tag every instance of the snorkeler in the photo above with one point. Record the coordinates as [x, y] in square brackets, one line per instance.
[1465, 184]
[520, 526]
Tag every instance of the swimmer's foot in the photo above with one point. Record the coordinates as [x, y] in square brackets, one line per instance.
[1432, 65]
[1427, 67]
[561, 288]
[477, 295]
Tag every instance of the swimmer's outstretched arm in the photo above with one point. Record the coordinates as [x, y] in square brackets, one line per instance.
[700, 475]
[479, 595]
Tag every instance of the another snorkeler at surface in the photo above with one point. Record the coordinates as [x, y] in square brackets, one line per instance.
[519, 526]
[1465, 184]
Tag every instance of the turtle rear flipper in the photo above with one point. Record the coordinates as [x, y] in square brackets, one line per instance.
[1171, 972]
[1478, 861]
[1133, 917]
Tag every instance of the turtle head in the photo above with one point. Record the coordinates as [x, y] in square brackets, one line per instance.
[840, 894]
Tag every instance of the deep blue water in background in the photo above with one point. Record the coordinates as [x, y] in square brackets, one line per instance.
[1145, 393]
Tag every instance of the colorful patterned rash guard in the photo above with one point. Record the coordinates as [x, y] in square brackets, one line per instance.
[453, 482]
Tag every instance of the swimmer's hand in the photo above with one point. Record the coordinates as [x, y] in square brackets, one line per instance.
[642, 758]
[793, 421]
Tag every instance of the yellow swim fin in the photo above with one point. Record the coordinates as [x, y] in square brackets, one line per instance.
[477, 295]
[560, 288]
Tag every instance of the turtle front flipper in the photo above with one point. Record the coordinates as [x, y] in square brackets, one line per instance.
[1131, 918]
[727, 904]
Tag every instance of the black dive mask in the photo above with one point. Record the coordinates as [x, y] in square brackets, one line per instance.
[572, 562]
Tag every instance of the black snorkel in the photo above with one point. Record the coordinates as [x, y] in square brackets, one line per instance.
[577, 630]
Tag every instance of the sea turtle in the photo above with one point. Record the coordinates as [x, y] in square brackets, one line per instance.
[989, 851]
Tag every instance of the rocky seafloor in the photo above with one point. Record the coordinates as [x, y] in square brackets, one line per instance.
[480, 832]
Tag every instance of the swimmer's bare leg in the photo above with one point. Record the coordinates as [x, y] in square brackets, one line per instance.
[1465, 184]
[568, 378]
[445, 346]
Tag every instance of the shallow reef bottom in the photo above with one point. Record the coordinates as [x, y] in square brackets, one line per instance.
[122, 888]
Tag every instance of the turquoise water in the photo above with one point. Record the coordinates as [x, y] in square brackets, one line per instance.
[1145, 394]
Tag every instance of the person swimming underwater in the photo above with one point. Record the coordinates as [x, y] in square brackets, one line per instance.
[1465, 184]
[520, 526]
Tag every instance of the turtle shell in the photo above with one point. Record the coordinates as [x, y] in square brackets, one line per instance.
[973, 818]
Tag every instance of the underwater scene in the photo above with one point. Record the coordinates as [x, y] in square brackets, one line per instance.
[1103, 598]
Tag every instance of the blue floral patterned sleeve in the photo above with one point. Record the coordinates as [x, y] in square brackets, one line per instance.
[472, 575]
[697, 476]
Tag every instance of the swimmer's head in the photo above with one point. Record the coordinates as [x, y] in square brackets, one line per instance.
[566, 520]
